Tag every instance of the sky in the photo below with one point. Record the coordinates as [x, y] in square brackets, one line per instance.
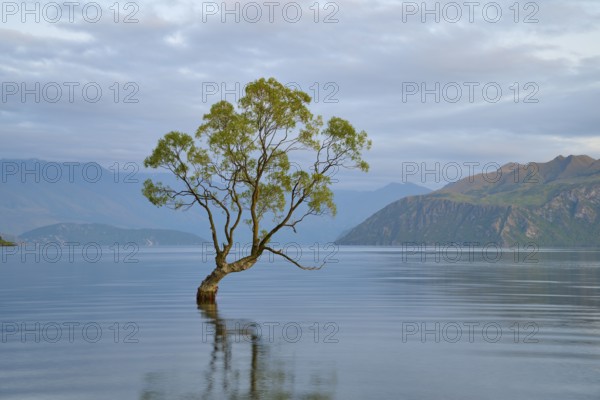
[435, 84]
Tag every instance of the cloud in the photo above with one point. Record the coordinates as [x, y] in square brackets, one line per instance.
[154, 75]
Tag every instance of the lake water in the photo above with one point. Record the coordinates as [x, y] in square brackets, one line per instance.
[376, 324]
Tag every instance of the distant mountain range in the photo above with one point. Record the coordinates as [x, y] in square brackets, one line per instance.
[552, 204]
[353, 207]
[109, 235]
[37, 193]
[33, 197]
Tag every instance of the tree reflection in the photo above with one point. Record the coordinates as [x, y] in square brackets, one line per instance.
[240, 366]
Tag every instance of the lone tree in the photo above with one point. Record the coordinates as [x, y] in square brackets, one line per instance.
[239, 165]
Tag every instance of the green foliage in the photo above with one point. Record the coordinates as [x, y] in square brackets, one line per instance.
[558, 208]
[268, 156]
[6, 243]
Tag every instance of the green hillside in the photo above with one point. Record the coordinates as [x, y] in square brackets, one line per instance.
[5, 242]
[553, 204]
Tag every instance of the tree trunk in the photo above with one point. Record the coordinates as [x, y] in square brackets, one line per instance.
[207, 291]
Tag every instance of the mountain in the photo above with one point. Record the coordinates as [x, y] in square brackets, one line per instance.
[353, 206]
[36, 193]
[552, 204]
[108, 235]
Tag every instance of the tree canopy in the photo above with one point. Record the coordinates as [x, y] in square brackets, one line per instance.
[269, 156]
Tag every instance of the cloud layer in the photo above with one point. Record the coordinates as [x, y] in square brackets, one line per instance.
[498, 88]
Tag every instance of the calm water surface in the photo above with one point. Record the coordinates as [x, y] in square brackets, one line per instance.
[373, 325]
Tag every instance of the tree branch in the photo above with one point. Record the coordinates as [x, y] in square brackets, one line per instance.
[280, 253]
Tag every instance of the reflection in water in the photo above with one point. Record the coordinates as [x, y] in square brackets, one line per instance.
[558, 279]
[558, 292]
[371, 294]
[240, 366]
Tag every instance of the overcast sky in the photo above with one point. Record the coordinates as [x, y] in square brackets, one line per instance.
[366, 61]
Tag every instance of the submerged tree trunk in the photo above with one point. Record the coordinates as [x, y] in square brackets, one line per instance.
[207, 291]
